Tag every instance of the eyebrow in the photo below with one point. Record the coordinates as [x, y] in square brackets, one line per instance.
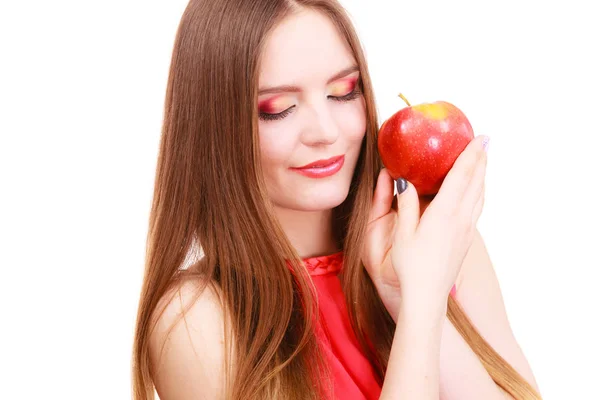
[288, 88]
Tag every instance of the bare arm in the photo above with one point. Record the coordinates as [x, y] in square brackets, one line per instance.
[188, 360]
[413, 367]
[462, 376]
[479, 294]
[426, 343]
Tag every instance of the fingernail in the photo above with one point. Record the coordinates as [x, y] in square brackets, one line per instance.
[401, 185]
[486, 143]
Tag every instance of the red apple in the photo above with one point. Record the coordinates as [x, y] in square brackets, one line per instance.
[420, 143]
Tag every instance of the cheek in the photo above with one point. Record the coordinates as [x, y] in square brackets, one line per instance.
[353, 120]
[276, 144]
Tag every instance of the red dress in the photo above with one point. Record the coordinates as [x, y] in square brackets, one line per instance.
[353, 375]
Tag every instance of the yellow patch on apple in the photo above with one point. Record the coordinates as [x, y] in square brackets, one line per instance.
[433, 111]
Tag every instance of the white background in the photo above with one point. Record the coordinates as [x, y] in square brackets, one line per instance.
[81, 94]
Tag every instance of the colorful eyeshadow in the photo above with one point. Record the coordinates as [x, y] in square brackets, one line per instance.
[273, 105]
[343, 87]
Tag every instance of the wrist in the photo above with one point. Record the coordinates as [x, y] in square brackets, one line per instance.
[422, 308]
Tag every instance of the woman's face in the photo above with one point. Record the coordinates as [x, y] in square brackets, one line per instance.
[320, 115]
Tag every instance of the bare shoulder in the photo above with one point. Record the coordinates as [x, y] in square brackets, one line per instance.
[187, 343]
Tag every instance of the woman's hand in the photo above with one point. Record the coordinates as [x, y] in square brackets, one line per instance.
[419, 256]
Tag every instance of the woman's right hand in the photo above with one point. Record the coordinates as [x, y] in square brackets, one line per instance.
[428, 251]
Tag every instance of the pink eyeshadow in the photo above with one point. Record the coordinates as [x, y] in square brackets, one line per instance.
[272, 105]
[343, 87]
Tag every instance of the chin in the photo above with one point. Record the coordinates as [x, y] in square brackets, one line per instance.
[317, 197]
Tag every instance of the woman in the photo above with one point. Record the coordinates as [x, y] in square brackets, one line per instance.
[314, 282]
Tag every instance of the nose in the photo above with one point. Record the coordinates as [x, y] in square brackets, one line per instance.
[321, 127]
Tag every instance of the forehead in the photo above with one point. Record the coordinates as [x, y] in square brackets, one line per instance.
[304, 49]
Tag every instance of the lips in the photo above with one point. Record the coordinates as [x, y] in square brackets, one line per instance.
[321, 168]
[322, 163]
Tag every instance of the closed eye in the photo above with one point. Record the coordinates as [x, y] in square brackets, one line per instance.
[354, 94]
[348, 97]
[271, 117]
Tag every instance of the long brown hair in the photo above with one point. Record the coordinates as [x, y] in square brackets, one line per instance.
[209, 194]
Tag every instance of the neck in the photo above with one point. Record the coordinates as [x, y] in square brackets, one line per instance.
[310, 232]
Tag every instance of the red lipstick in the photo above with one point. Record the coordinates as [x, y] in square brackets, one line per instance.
[321, 168]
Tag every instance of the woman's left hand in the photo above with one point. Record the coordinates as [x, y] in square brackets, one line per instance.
[378, 243]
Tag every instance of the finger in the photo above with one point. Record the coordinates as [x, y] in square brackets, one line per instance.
[475, 187]
[408, 210]
[478, 207]
[457, 180]
[383, 196]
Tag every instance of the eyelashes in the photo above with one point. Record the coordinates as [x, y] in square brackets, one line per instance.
[355, 93]
[272, 117]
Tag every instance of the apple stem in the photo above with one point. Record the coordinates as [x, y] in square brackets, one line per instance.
[404, 98]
